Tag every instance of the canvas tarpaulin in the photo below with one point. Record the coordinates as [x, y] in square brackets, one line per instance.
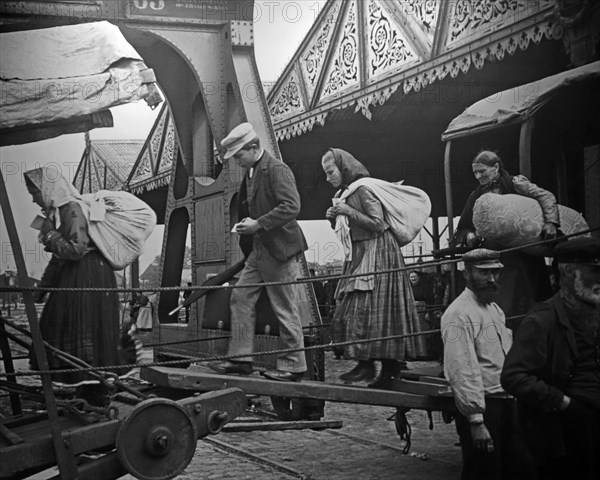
[517, 103]
[64, 79]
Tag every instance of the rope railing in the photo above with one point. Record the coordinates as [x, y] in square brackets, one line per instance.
[189, 359]
[422, 265]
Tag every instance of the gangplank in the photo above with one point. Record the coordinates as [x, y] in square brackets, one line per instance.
[421, 392]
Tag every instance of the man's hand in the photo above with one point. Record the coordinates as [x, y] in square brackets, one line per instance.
[548, 231]
[248, 226]
[482, 440]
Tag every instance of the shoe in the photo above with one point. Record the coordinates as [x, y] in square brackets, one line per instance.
[363, 371]
[225, 368]
[390, 369]
[283, 376]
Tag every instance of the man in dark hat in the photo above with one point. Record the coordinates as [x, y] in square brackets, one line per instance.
[476, 341]
[272, 240]
[554, 368]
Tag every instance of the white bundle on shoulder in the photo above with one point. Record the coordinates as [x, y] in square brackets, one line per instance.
[119, 223]
[405, 209]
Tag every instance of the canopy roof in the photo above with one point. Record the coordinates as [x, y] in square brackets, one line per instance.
[64, 79]
[518, 103]
[106, 164]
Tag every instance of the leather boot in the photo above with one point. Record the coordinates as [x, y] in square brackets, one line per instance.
[390, 369]
[363, 371]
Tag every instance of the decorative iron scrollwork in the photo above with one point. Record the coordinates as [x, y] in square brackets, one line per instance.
[425, 13]
[311, 61]
[344, 69]
[289, 99]
[387, 48]
[166, 159]
[470, 16]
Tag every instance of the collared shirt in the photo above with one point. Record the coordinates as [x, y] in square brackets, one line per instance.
[476, 341]
[251, 172]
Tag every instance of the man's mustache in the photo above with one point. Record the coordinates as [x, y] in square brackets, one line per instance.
[492, 287]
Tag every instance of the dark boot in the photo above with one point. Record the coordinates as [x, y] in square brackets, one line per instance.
[363, 371]
[390, 369]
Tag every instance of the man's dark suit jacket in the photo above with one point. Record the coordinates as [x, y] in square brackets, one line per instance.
[272, 199]
[538, 370]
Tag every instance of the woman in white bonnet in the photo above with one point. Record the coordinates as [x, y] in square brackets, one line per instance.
[83, 324]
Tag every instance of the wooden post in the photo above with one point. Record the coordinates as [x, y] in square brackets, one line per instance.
[450, 212]
[525, 147]
[64, 458]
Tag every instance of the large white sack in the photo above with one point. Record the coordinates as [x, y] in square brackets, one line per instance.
[511, 220]
[119, 223]
[405, 208]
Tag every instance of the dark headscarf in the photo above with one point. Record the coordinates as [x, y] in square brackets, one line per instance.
[350, 168]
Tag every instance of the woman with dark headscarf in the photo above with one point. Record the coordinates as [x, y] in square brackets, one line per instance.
[83, 324]
[524, 279]
[375, 305]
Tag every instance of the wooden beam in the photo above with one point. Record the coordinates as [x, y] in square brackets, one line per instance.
[40, 452]
[276, 426]
[201, 380]
[9, 436]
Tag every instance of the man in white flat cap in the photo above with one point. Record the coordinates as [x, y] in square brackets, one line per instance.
[271, 239]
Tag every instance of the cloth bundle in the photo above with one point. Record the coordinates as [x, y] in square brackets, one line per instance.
[405, 209]
[119, 223]
[506, 221]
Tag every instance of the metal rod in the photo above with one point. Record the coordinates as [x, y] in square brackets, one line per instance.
[64, 458]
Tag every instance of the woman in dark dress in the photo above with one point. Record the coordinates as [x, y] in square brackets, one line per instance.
[377, 305]
[83, 324]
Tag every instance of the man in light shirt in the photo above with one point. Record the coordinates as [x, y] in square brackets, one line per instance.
[476, 341]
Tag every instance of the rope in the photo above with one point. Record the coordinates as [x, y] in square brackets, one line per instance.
[415, 266]
[223, 357]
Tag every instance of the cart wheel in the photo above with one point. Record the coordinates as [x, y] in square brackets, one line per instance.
[157, 441]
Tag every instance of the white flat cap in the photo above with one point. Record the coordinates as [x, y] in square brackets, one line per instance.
[237, 138]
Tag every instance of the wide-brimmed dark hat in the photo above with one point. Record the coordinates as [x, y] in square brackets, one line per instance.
[579, 250]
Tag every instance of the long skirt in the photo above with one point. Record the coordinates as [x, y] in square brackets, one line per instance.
[82, 324]
[388, 309]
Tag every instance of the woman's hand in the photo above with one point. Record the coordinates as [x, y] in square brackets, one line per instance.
[329, 214]
[548, 231]
[342, 209]
[48, 225]
[472, 239]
